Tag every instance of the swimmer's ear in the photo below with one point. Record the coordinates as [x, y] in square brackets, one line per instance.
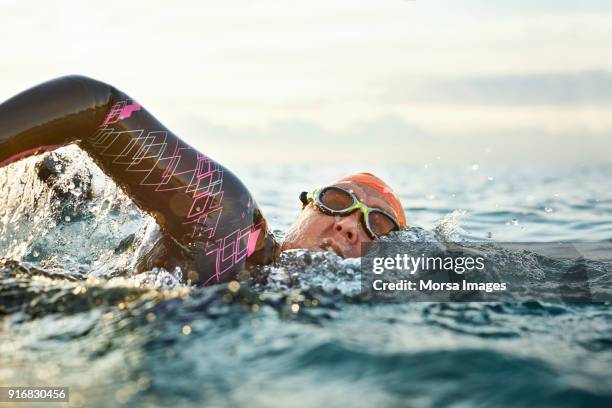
[304, 199]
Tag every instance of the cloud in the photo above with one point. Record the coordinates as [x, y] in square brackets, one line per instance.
[388, 128]
[577, 88]
[393, 140]
[540, 6]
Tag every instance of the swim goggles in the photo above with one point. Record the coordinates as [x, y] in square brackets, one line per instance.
[334, 200]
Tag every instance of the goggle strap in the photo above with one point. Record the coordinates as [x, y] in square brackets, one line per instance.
[304, 198]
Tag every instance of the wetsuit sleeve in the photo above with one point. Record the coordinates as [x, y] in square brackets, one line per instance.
[201, 206]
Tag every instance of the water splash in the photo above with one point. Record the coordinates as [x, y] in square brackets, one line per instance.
[448, 228]
[59, 211]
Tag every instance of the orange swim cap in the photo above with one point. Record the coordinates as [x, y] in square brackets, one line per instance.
[370, 180]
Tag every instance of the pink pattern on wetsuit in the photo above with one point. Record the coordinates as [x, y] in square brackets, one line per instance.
[121, 110]
[145, 152]
[233, 249]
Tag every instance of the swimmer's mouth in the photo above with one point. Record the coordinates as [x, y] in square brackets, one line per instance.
[329, 245]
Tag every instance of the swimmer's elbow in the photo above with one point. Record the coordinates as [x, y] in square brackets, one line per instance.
[83, 80]
[95, 93]
[102, 91]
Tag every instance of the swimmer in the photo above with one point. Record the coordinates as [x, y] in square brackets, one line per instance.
[211, 227]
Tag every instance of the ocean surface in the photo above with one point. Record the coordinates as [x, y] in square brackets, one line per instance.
[299, 333]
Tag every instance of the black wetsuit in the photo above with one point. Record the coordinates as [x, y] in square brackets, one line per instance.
[211, 223]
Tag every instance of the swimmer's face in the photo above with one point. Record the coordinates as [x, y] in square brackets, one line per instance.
[316, 231]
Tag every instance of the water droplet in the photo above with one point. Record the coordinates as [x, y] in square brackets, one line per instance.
[67, 218]
[489, 235]
[35, 254]
[234, 286]
[475, 166]
[431, 197]
[513, 221]
[490, 178]
[548, 210]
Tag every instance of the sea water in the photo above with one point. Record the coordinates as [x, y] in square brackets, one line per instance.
[299, 333]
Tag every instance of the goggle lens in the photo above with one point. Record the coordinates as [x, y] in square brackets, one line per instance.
[335, 198]
[380, 223]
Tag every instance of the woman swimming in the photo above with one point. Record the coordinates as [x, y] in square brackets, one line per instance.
[211, 225]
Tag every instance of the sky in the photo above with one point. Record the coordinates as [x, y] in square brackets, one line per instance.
[318, 81]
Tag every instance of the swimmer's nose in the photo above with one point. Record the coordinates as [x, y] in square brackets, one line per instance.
[348, 227]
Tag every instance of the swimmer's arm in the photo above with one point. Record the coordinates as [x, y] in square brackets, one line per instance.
[55, 113]
[151, 164]
[193, 198]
